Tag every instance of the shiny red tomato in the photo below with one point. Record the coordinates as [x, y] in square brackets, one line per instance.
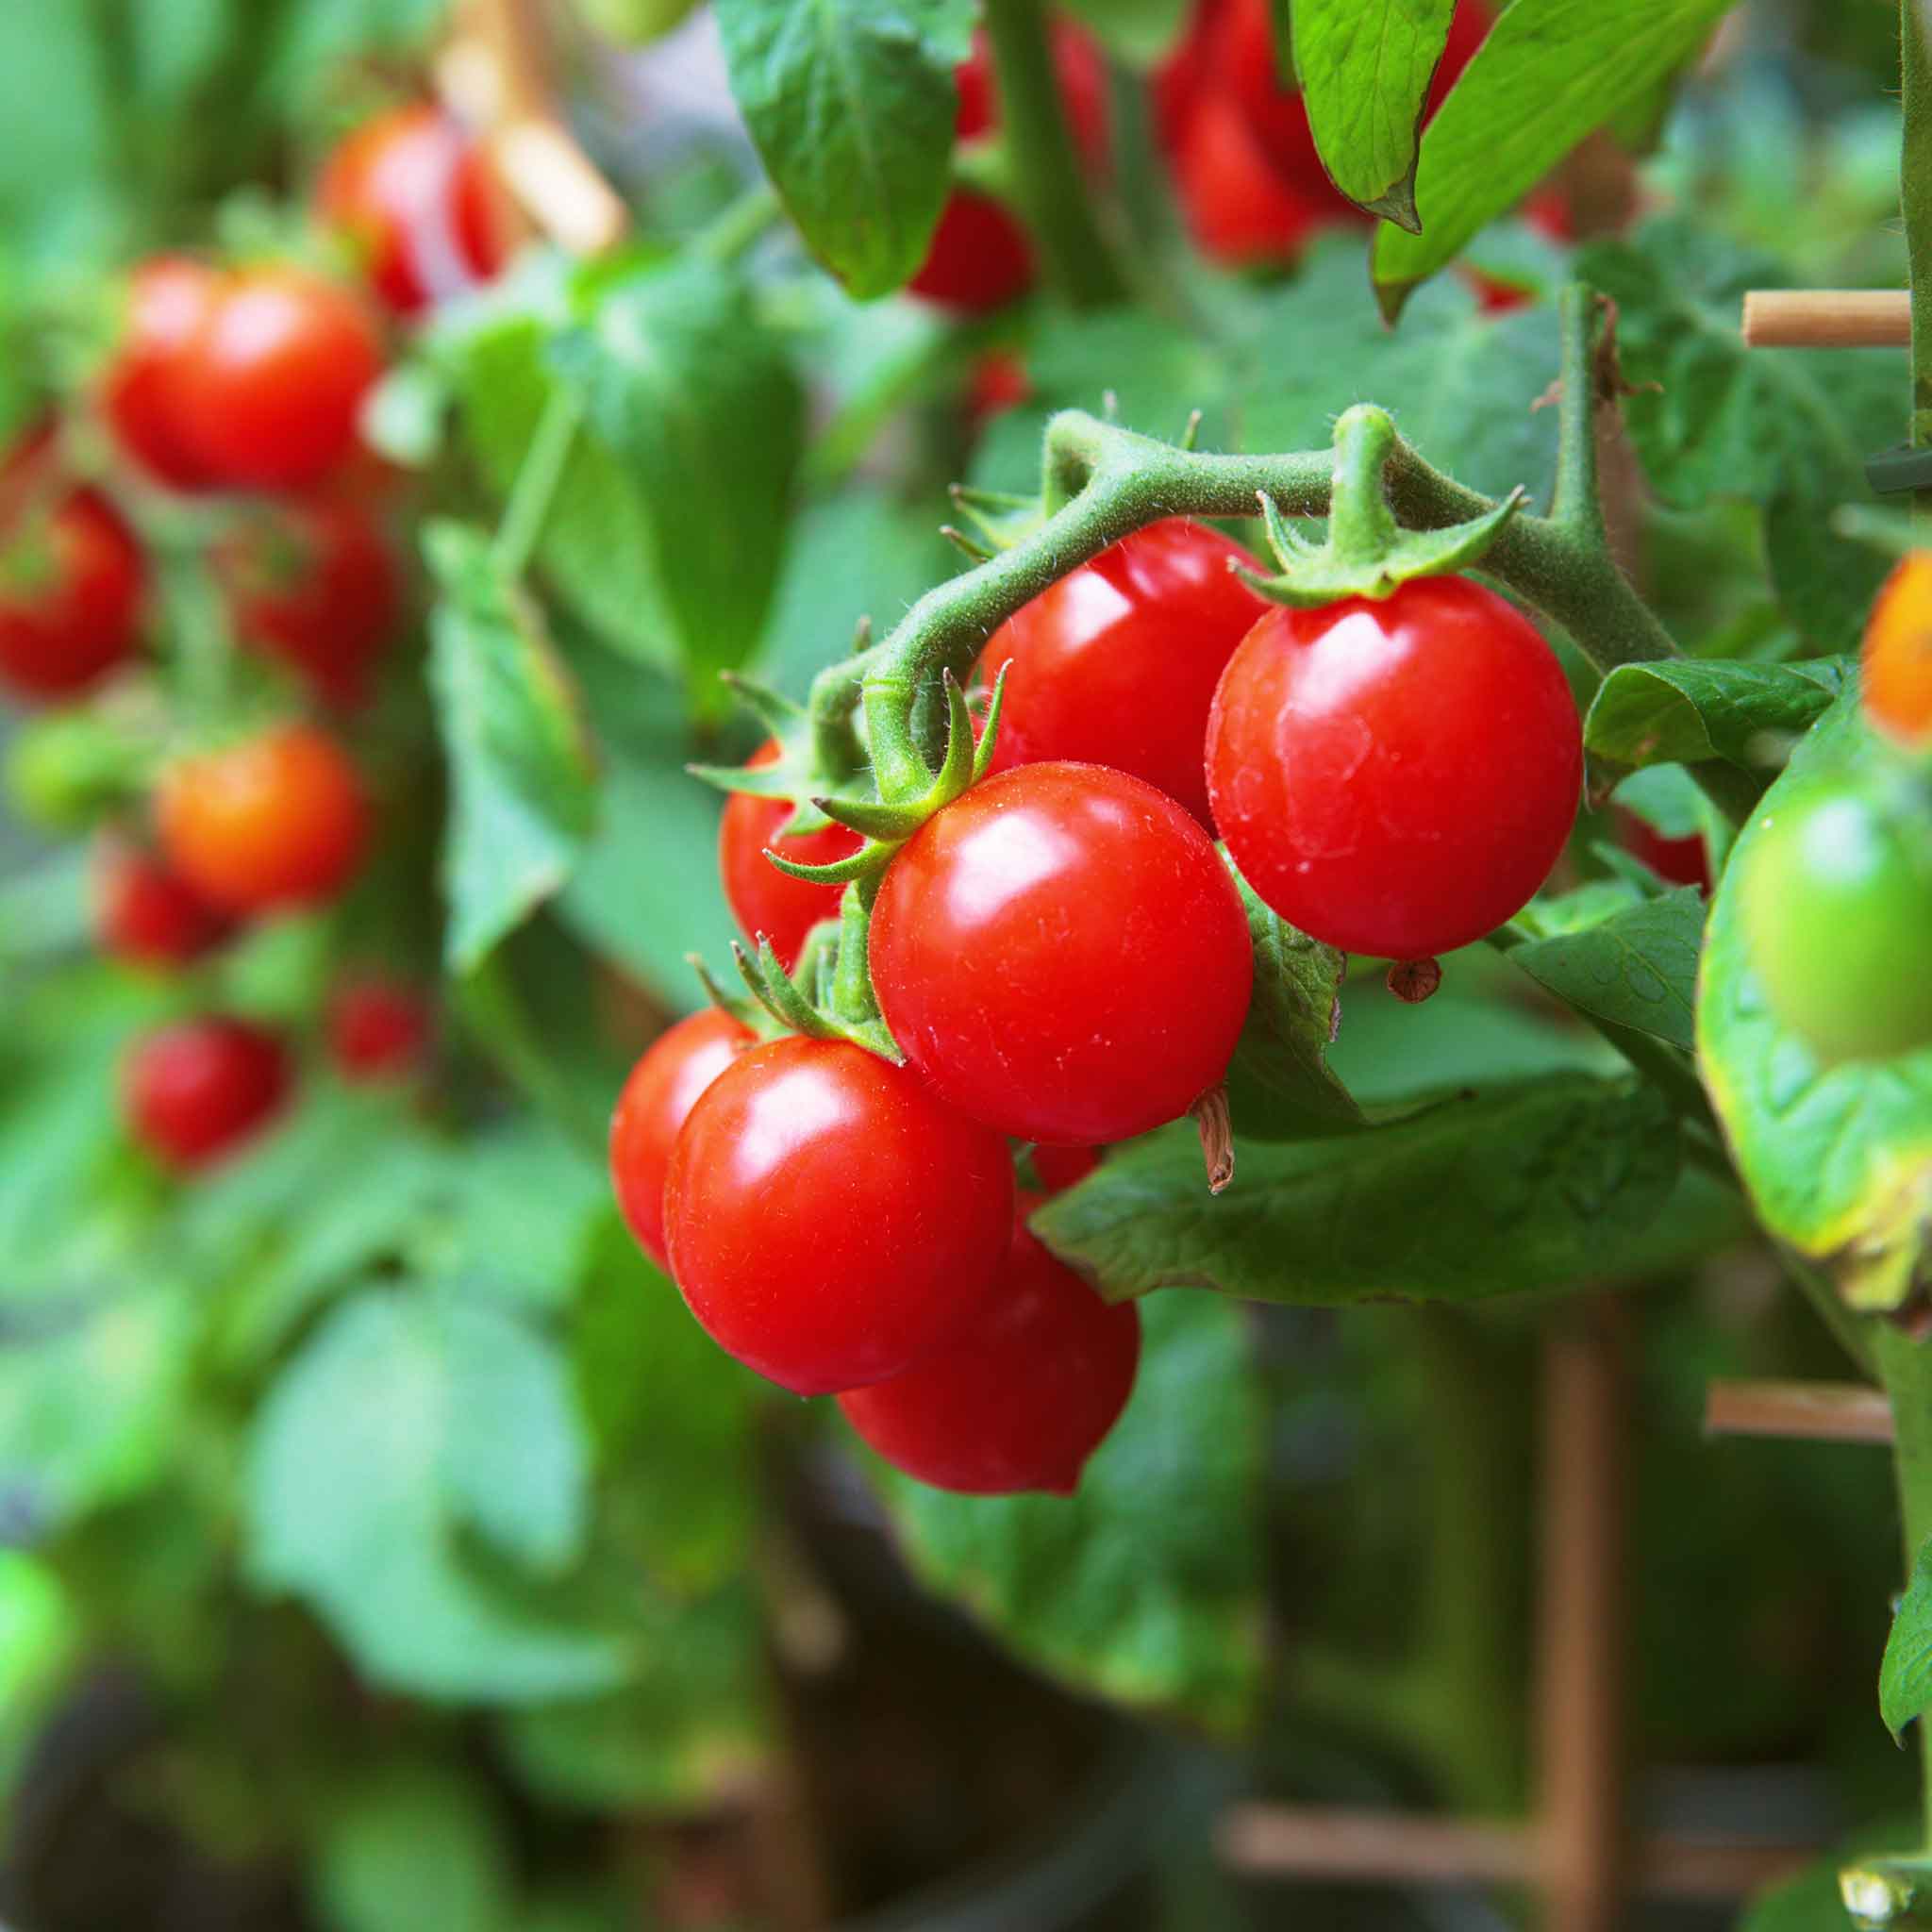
[1395, 778]
[168, 300]
[266, 824]
[658, 1098]
[1062, 954]
[766, 901]
[144, 915]
[1241, 209]
[1060, 1168]
[378, 1029]
[271, 385]
[411, 191]
[830, 1221]
[1116, 664]
[1682, 861]
[1021, 1397]
[71, 579]
[314, 585]
[980, 259]
[198, 1091]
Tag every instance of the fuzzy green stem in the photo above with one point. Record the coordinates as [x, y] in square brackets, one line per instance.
[1044, 169]
[1360, 527]
[1905, 1367]
[738, 226]
[1915, 203]
[535, 490]
[1576, 505]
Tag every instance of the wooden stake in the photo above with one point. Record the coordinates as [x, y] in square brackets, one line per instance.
[1827, 318]
[1583, 1625]
[1803, 1412]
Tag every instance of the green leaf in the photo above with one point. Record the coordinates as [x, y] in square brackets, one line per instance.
[45, 907]
[1838, 1159]
[1146, 1587]
[684, 1736]
[1280, 1080]
[1789, 429]
[699, 401]
[1685, 710]
[1365, 68]
[367, 1464]
[415, 1845]
[524, 789]
[1461, 384]
[1904, 1674]
[1636, 968]
[852, 104]
[1530, 1186]
[1548, 73]
[596, 547]
[1142, 32]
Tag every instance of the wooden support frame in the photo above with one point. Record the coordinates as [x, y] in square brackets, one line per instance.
[1827, 318]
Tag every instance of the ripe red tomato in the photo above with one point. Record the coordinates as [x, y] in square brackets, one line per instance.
[1682, 861]
[315, 585]
[144, 915]
[980, 259]
[1060, 1168]
[71, 579]
[1395, 778]
[1062, 954]
[1116, 664]
[378, 1029]
[658, 1098]
[271, 385]
[830, 1221]
[1241, 209]
[998, 383]
[269, 823]
[1021, 1397]
[764, 901]
[197, 1091]
[411, 190]
[168, 300]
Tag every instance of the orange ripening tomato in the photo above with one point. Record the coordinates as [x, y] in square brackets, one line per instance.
[1898, 652]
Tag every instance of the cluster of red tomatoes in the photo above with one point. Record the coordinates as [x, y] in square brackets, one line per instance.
[1235, 134]
[1064, 960]
[229, 409]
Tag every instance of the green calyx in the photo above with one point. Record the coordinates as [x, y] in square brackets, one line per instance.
[1367, 552]
[828, 994]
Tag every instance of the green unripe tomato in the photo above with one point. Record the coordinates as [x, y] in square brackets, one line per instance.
[1838, 911]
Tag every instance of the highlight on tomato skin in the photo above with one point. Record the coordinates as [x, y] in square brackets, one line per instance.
[1021, 1397]
[1896, 686]
[144, 914]
[1062, 954]
[200, 1091]
[657, 1099]
[830, 1219]
[1396, 778]
[767, 903]
[1116, 663]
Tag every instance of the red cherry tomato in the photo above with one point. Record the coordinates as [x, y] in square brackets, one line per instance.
[71, 579]
[1682, 861]
[1116, 664]
[412, 192]
[1395, 778]
[271, 385]
[764, 901]
[1060, 1168]
[315, 585]
[197, 1091]
[144, 915]
[998, 383]
[658, 1098]
[830, 1221]
[272, 822]
[377, 1029]
[168, 300]
[1062, 954]
[1021, 1397]
[980, 259]
[1241, 209]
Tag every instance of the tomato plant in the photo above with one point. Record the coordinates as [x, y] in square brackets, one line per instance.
[767, 903]
[198, 1091]
[912, 1213]
[1395, 778]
